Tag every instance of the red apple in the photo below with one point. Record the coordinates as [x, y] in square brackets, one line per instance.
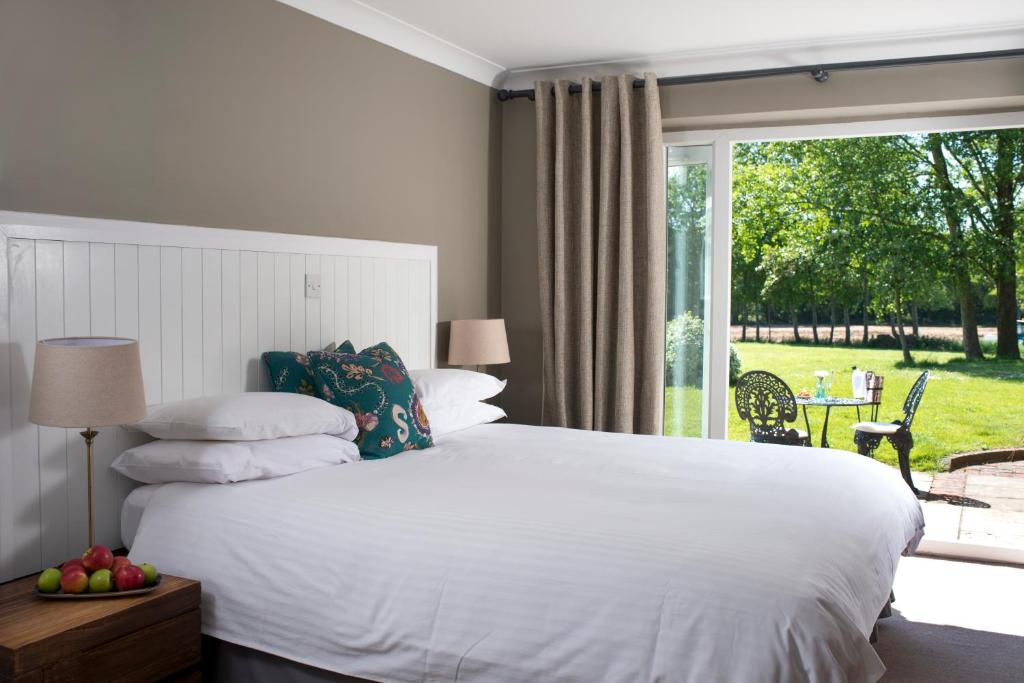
[120, 561]
[129, 578]
[72, 564]
[97, 557]
[74, 580]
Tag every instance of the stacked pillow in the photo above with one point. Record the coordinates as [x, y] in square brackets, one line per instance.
[454, 399]
[396, 410]
[237, 437]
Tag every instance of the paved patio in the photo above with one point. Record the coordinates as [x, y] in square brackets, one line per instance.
[981, 504]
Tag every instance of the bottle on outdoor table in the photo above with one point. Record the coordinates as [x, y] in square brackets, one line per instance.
[860, 385]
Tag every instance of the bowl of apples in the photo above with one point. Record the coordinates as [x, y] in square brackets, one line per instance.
[97, 574]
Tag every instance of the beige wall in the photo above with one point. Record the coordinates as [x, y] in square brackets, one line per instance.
[889, 93]
[248, 114]
[520, 298]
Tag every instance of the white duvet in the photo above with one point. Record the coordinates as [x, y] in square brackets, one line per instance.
[511, 553]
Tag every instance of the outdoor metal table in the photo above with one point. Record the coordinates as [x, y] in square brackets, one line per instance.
[830, 403]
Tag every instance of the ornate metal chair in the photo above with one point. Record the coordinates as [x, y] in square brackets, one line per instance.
[869, 435]
[767, 404]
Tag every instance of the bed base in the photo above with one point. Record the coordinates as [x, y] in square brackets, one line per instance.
[884, 614]
[224, 661]
[228, 663]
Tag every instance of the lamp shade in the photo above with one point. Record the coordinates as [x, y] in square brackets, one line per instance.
[87, 382]
[478, 342]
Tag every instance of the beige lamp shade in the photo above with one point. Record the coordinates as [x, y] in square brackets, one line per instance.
[87, 382]
[478, 342]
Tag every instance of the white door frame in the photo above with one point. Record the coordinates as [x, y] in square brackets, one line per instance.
[720, 280]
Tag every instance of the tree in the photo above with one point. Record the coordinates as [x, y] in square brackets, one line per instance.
[687, 228]
[754, 203]
[985, 170]
[890, 225]
[953, 212]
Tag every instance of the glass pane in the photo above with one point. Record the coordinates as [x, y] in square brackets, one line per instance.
[689, 216]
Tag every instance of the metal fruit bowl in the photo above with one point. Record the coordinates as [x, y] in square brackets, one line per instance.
[61, 595]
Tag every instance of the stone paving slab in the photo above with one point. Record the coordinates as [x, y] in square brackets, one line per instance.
[981, 504]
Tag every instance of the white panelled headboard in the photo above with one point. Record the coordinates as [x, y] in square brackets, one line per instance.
[204, 304]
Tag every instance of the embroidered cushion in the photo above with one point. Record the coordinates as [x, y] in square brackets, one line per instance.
[289, 370]
[376, 387]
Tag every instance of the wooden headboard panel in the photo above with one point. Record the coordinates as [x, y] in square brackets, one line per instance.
[204, 304]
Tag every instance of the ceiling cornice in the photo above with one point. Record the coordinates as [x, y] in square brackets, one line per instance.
[361, 18]
[384, 28]
[781, 55]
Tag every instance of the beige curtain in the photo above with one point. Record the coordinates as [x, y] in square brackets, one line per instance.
[601, 234]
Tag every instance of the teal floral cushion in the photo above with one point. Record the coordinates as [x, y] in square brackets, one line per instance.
[376, 387]
[289, 371]
[345, 347]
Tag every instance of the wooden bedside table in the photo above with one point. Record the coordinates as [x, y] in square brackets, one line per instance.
[144, 638]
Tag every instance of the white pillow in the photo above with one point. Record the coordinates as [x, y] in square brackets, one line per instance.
[452, 418]
[248, 417]
[448, 386]
[221, 462]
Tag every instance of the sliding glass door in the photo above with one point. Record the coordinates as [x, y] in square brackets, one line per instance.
[689, 215]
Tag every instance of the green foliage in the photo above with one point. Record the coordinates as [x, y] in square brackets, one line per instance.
[735, 365]
[686, 239]
[864, 224]
[684, 353]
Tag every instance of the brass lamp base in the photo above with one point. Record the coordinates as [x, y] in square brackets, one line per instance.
[89, 434]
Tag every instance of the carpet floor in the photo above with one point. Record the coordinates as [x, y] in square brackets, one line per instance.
[954, 621]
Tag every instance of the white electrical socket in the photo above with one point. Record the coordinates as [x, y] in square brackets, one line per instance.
[312, 285]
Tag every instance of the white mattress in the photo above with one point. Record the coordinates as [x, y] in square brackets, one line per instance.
[511, 553]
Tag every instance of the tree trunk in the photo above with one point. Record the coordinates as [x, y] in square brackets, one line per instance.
[796, 325]
[768, 319]
[757, 322]
[968, 318]
[958, 260]
[901, 332]
[743, 328]
[916, 321]
[866, 338]
[814, 322]
[1006, 268]
[832, 323]
[846, 323]
[1006, 317]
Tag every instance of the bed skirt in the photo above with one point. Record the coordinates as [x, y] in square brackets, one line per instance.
[226, 662]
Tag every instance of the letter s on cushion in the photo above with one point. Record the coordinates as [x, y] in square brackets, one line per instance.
[375, 386]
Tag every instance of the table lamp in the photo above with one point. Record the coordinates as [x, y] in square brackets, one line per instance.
[478, 342]
[87, 382]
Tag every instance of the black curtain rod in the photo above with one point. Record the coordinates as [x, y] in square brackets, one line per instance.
[819, 72]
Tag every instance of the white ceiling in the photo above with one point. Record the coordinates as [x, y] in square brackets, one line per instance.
[513, 42]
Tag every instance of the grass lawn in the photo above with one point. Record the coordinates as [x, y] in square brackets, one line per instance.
[967, 406]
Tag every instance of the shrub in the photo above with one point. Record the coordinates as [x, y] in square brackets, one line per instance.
[684, 353]
[734, 365]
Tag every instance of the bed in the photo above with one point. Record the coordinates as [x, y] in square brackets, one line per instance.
[516, 553]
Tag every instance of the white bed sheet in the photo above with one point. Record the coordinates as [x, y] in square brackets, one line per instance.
[513, 553]
[131, 511]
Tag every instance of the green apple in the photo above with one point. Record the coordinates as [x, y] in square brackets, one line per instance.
[149, 571]
[101, 581]
[49, 581]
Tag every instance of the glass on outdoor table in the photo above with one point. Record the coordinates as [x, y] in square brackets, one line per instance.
[819, 388]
